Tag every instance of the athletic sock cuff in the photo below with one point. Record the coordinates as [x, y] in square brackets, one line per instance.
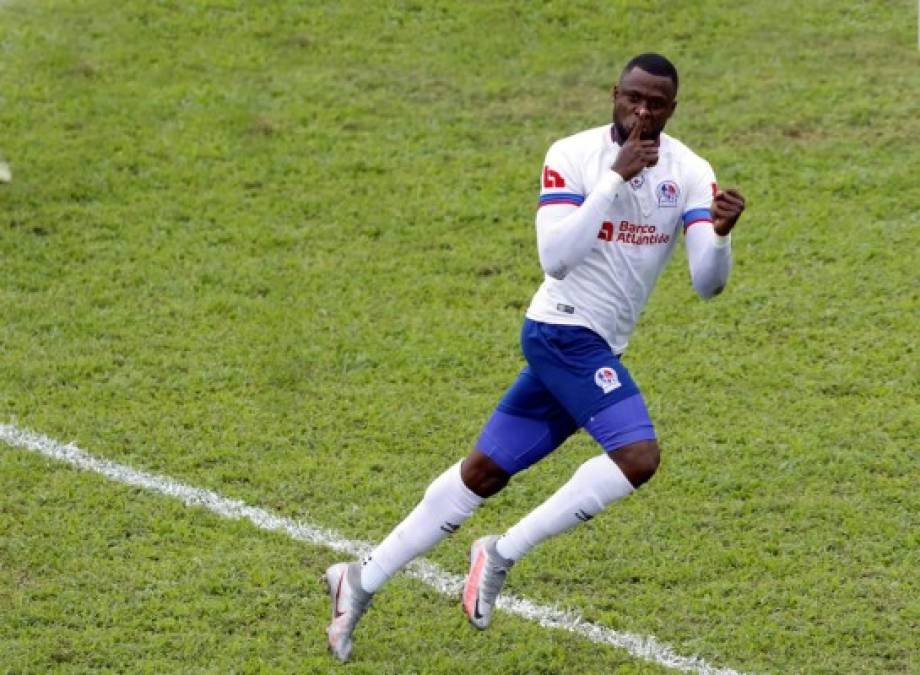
[464, 495]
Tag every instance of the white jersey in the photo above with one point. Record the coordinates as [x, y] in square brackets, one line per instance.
[609, 288]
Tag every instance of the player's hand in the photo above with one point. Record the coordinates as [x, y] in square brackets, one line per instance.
[727, 206]
[636, 154]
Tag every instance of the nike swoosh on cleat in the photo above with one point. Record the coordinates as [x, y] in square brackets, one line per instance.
[470, 593]
[338, 591]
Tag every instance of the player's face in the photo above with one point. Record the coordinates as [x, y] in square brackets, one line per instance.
[638, 90]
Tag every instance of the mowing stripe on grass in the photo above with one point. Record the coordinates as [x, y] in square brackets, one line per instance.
[643, 647]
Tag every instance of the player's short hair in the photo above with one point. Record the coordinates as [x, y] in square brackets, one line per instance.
[653, 63]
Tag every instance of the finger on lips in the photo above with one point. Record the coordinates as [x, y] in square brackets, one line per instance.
[636, 130]
[639, 125]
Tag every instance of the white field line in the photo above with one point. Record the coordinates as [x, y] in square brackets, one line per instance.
[643, 647]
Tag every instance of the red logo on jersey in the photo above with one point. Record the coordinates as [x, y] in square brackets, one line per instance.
[606, 232]
[552, 179]
[715, 189]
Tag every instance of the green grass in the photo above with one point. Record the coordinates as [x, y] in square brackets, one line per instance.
[282, 251]
[101, 577]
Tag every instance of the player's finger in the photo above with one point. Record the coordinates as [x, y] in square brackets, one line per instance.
[731, 194]
[727, 211]
[735, 200]
[735, 196]
[636, 131]
[721, 211]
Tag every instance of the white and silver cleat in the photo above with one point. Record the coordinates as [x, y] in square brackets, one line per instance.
[349, 602]
[488, 571]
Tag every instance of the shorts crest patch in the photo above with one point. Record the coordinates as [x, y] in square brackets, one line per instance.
[606, 378]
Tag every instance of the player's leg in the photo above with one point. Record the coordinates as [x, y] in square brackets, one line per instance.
[508, 444]
[446, 504]
[630, 459]
[527, 426]
[581, 372]
[626, 433]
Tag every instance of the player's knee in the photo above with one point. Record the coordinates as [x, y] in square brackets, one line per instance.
[482, 475]
[638, 461]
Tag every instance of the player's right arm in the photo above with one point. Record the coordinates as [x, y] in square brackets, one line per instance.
[708, 221]
[568, 222]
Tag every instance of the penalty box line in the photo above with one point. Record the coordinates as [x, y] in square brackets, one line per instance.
[643, 647]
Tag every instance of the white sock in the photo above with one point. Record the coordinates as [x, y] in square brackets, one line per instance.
[446, 504]
[596, 483]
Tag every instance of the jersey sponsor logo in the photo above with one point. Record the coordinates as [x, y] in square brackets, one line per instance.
[552, 179]
[606, 232]
[636, 181]
[630, 233]
[606, 378]
[668, 193]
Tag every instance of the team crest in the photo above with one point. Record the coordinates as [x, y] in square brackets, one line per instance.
[606, 378]
[636, 181]
[668, 193]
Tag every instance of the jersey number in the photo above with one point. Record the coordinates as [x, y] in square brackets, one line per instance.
[552, 179]
[606, 232]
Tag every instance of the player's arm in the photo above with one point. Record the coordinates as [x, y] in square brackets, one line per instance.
[568, 223]
[567, 232]
[708, 235]
[710, 258]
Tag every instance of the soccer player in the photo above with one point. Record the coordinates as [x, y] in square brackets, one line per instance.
[612, 203]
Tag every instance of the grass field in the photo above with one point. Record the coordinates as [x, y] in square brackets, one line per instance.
[282, 250]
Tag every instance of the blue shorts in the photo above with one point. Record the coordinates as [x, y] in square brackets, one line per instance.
[572, 379]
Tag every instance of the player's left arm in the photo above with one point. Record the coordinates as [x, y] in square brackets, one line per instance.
[708, 223]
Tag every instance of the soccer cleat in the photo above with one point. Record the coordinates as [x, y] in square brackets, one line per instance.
[488, 571]
[349, 602]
